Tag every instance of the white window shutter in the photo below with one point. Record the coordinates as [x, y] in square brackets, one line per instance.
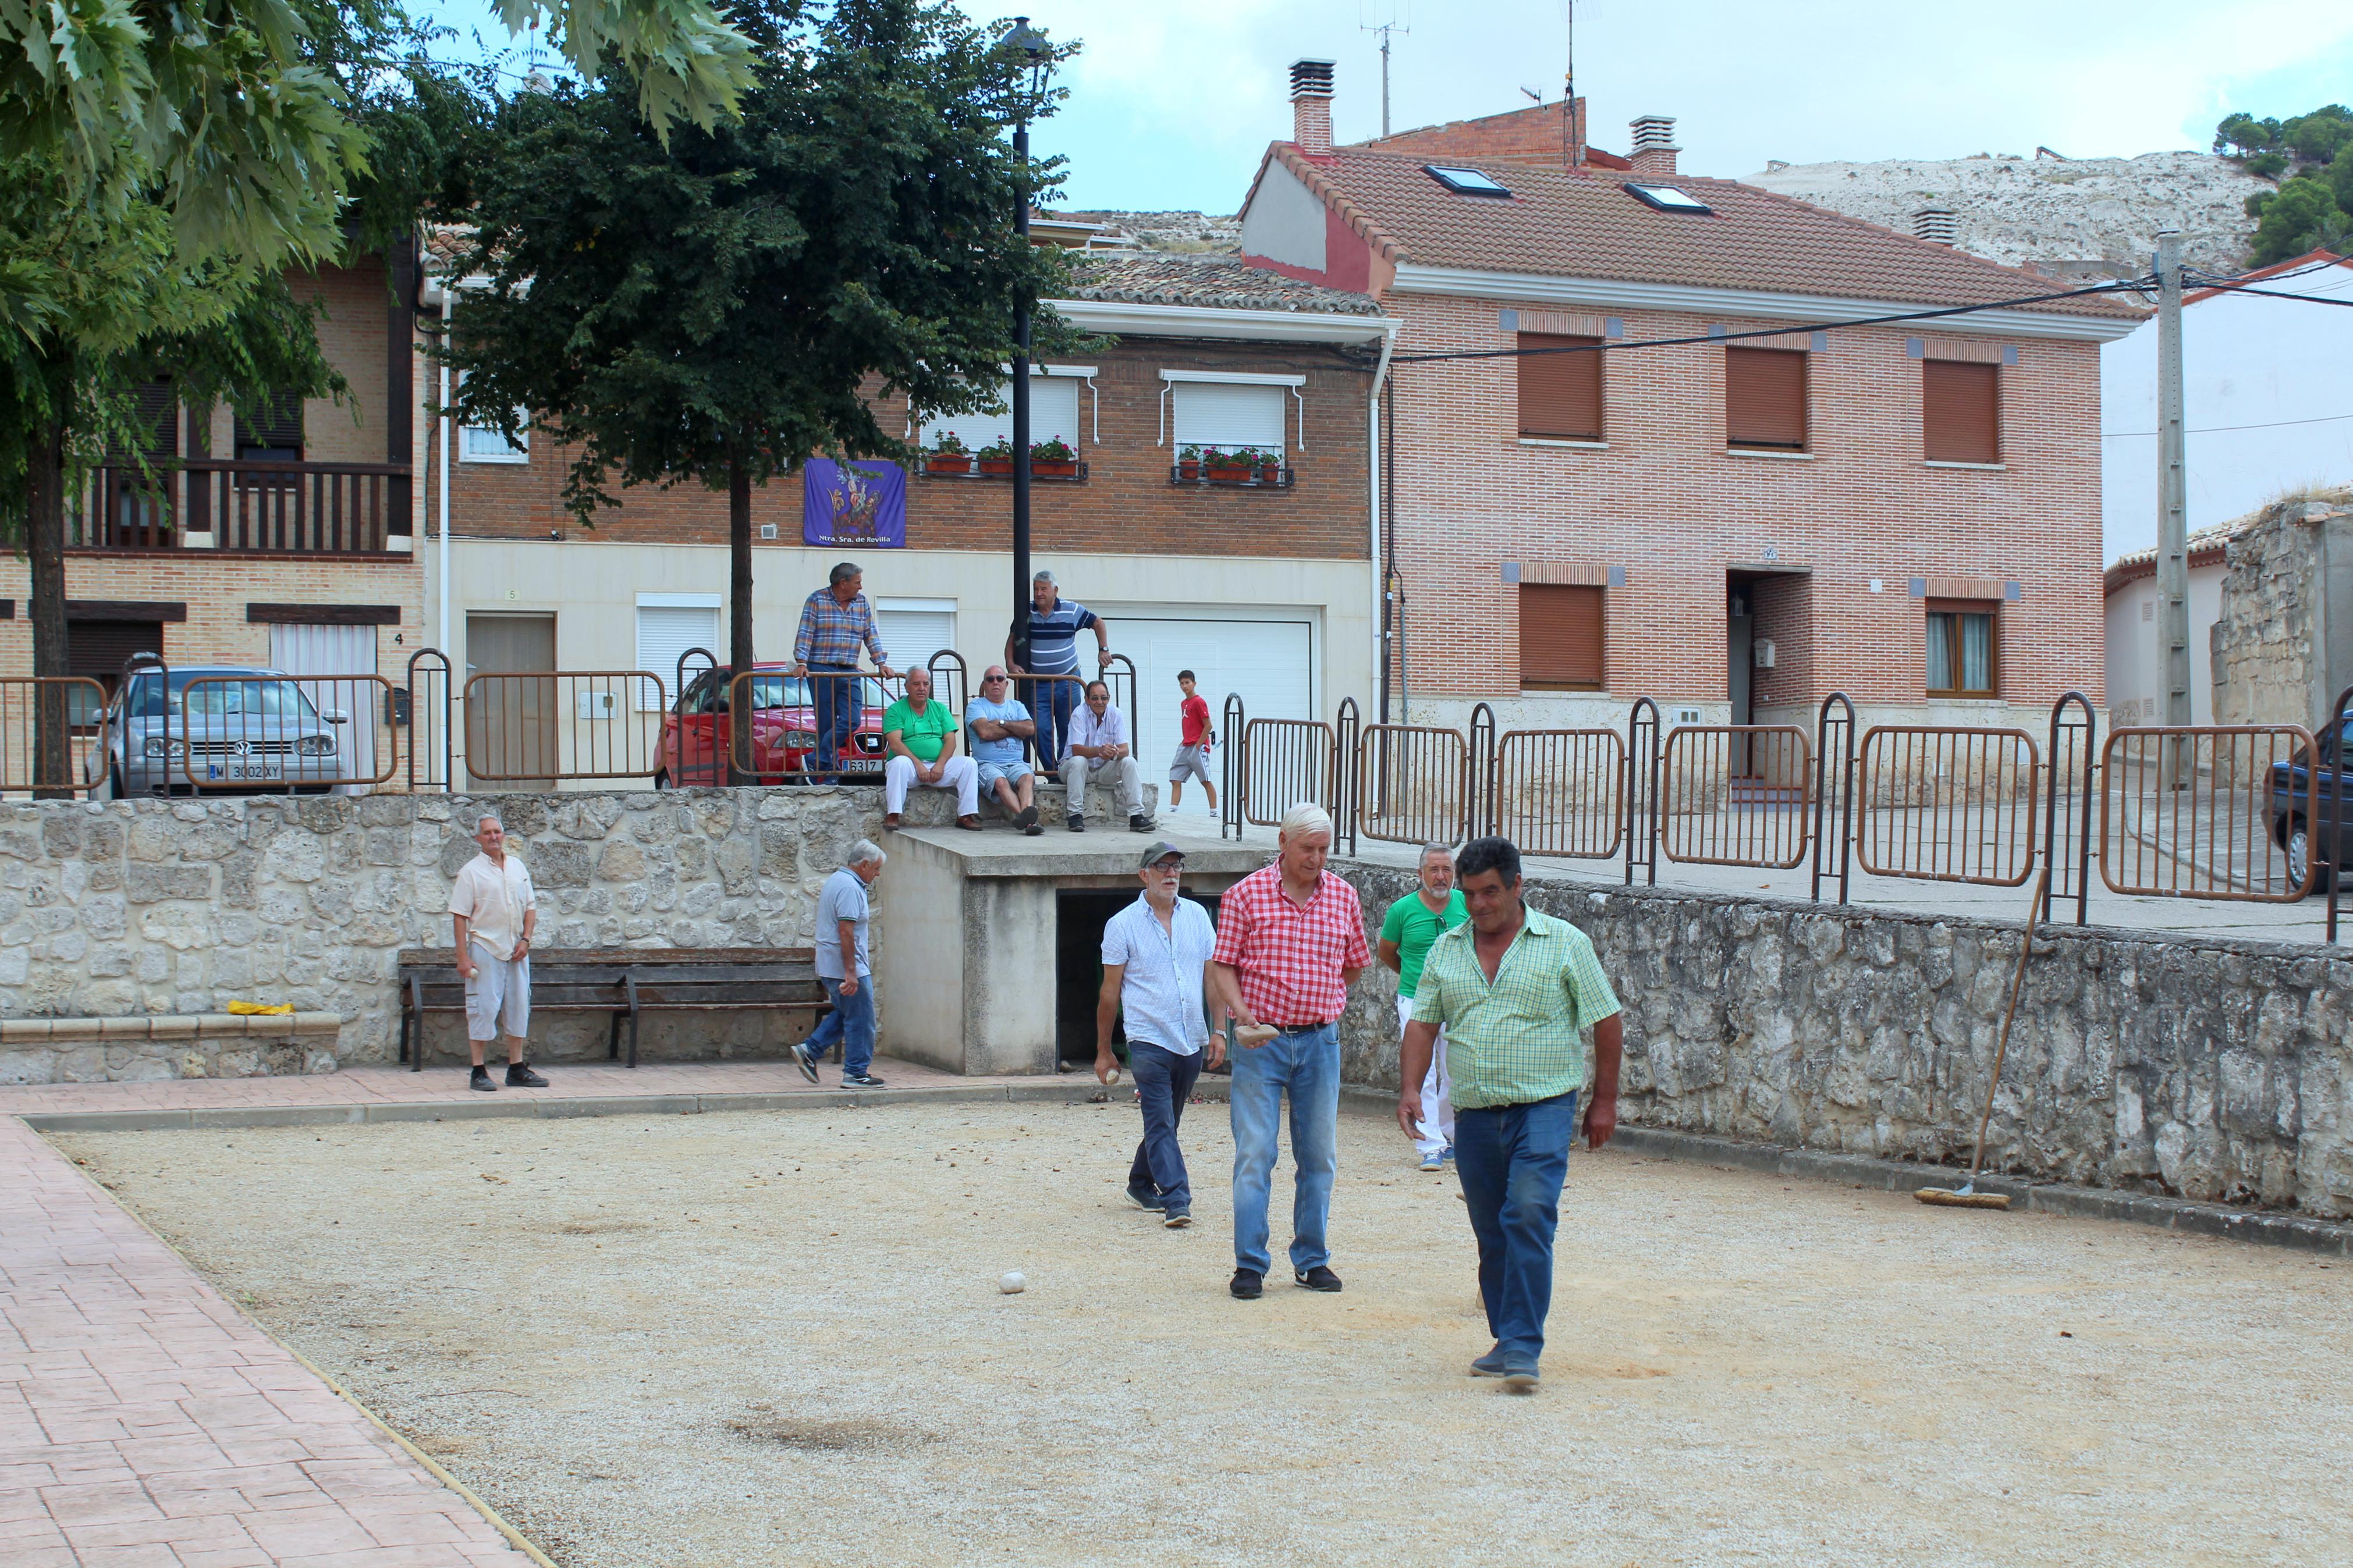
[1053, 417]
[1229, 417]
[664, 633]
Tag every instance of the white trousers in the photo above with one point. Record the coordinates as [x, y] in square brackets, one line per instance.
[1078, 771]
[959, 775]
[1435, 1131]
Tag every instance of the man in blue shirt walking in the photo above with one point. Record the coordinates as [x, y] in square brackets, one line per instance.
[1154, 952]
[1055, 624]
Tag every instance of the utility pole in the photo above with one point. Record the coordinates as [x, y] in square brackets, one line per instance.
[1384, 30]
[2172, 495]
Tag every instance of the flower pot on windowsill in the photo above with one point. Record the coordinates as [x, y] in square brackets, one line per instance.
[956, 463]
[1046, 468]
[1002, 468]
[1269, 474]
[1228, 476]
[1190, 472]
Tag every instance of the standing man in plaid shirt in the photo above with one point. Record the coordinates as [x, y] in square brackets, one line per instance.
[835, 623]
[1291, 940]
[1514, 989]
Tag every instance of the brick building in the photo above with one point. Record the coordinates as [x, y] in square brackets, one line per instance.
[280, 536]
[1265, 588]
[1910, 513]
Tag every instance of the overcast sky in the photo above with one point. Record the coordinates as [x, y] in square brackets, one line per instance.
[1171, 106]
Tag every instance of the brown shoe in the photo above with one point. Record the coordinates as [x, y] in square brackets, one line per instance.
[969, 824]
[891, 820]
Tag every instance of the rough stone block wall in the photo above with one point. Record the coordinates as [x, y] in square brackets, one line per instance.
[2209, 1070]
[149, 907]
[2266, 649]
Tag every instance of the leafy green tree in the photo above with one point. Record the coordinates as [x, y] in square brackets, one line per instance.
[2312, 209]
[721, 308]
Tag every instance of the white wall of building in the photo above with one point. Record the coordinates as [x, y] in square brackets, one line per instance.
[2135, 660]
[2267, 389]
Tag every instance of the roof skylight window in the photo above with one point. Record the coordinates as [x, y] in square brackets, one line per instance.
[1464, 182]
[1668, 198]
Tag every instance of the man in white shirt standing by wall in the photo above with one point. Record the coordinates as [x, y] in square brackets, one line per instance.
[1097, 750]
[1154, 952]
[494, 908]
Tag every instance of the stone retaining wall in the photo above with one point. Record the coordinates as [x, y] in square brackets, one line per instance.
[164, 1046]
[137, 908]
[2208, 1069]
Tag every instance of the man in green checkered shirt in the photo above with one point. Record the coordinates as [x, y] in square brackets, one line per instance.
[1514, 989]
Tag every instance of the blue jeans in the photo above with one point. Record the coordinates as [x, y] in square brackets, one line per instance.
[1306, 1062]
[1051, 704]
[852, 1023]
[1512, 1160]
[840, 709]
[1163, 1082]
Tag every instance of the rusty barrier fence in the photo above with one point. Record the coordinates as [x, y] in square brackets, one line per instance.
[1735, 794]
[1946, 804]
[1284, 762]
[825, 727]
[300, 734]
[49, 734]
[1560, 793]
[2332, 798]
[2208, 812]
[527, 730]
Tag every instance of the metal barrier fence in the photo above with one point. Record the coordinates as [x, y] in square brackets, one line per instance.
[1232, 726]
[2188, 811]
[296, 733]
[49, 735]
[1940, 803]
[824, 726]
[2332, 796]
[1735, 794]
[532, 729]
[1284, 761]
[1559, 791]
[1643, 790]
[432, 747]
[1834, 793]
[2068, 786]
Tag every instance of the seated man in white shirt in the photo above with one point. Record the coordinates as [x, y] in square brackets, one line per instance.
[1097, 750]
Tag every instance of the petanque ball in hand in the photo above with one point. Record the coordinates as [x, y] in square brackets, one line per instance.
[1013, 1284]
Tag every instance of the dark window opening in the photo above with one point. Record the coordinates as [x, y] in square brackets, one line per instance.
[1560, 392]
[1964, 649]
[272, 433]
[1765, 399]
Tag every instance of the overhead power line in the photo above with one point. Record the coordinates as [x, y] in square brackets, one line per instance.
[2219, 429]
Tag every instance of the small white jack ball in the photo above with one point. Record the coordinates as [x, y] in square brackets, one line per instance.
[1013, 1284]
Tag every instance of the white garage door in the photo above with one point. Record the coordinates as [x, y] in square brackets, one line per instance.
[330, 650]
[1271, 662]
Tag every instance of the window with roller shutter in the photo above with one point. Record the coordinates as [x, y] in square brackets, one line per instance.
[1053, 417]
[1960, 412]
[1765, 399]
[1560, 391]
[1229, 417]
[1563, 637]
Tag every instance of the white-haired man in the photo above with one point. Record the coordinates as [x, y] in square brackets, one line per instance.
[1291, 940]
[842, 967]
[494, 908]
[921, 735]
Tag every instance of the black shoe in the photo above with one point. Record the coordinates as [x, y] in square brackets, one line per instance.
[520, 1076]
[481, 1081]
[1177, 1219]
[1027, 817]
[1035, 829]
[1520, 1379]
[1078, 822]
[1144, 1198]
[806, 1062]
[861, 1081]
[1490, 1364]
[1316, 1279]
[1141, 824]
[1249, 1285]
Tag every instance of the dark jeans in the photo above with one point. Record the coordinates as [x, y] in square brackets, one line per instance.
[1163, 1082]
[850, 1024]
[840, 709]
[1512, 1160]
[1050, 704]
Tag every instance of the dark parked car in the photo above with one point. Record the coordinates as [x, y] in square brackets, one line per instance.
[2301, 826]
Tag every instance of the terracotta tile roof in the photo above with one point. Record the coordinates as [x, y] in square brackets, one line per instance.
[1585, 225]
[2211, 546]
[1219, 282]
[2310, 259]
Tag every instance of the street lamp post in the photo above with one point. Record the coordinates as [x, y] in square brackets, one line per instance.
[1031, 44]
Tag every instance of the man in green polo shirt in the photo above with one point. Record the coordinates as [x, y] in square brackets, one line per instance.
[1412, 923]
[921, 736]
[1513, 989]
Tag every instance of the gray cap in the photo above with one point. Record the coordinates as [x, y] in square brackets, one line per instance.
[1161, 849]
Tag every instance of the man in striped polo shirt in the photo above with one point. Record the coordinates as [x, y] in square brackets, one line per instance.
[1291, 940]
[1514, 989]
[1055, 624]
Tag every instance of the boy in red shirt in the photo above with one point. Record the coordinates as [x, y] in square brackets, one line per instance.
[1193, 750]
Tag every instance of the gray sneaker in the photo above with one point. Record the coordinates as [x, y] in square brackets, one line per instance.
[1489, 1365]
[1177, 1219]
[861, 1081]
[1144, 1198]
[1520, 1379]
[807, 1061]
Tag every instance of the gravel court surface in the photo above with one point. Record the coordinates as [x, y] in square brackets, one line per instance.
[776, 1339]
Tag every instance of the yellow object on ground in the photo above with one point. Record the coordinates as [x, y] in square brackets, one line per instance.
[259, 1009]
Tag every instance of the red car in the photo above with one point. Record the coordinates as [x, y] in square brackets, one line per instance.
[697, 732]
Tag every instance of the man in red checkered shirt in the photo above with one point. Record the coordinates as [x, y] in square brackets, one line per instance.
[1291, 940]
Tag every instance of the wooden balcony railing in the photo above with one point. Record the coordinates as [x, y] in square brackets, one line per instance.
[307, 508]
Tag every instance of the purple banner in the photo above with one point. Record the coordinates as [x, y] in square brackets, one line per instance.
[863, 504]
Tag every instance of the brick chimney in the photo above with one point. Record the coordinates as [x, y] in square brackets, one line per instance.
[1654, 146]
[1310, 107]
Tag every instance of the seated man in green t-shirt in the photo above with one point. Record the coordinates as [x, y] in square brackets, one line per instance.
[921, 735]
[1414, 922]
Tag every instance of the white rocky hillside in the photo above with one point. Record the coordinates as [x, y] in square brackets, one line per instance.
[2069, 216]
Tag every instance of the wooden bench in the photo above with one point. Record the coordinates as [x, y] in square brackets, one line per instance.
[622, 982]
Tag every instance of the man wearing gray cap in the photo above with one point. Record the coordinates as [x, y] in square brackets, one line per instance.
[1154, 952]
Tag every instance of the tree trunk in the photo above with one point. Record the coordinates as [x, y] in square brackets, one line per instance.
[740, 653]
[45, 542]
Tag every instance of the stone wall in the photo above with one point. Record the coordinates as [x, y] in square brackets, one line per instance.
[124, 908]
[2212, 1070]
[2271, 658]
